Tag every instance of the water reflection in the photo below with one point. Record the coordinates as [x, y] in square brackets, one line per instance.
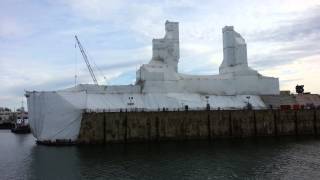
[262, 158]
[249, 158]
[54, 163]
[14, 155]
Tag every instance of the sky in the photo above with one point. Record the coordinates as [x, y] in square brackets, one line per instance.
[37, 45]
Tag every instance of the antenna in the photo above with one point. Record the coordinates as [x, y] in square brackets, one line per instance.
[22, 106]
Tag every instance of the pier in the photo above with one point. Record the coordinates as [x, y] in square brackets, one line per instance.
[108, 127]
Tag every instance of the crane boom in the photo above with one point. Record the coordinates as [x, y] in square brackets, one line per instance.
[84, 55]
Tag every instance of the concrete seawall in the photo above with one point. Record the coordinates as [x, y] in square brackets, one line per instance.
[106, 127]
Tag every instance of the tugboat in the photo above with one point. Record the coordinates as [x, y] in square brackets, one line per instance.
[21, 126]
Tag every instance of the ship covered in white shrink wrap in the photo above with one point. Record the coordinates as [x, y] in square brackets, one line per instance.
[56, 115]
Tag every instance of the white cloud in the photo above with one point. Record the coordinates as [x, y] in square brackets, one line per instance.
[11, 28]
[302, 71]
[101, 23]
[95, 9]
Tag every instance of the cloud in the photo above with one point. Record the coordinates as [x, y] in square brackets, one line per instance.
[95, 10]
[283, 56]
[301, 71]
[305, 27]
[37, 43]
[11, 28]
[290, 41]
[121, 65]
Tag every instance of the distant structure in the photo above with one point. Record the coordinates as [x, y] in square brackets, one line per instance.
[299, 89]
[159, 85]
[6, 118]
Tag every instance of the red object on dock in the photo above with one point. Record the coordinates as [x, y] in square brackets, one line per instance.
[285, 107]
[296, 107]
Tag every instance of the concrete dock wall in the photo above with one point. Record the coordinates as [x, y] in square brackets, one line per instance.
[107, 127]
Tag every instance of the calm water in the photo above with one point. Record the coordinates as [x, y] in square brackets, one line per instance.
[264, 158]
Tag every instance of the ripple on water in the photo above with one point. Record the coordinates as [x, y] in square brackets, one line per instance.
[265, 158]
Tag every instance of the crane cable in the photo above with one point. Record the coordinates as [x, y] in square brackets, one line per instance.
[76, 64]
[94, 63]
[97, 67]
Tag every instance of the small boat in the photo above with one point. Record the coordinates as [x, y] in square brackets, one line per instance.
[21, 126]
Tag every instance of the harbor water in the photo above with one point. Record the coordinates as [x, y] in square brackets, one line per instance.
[260, 158]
